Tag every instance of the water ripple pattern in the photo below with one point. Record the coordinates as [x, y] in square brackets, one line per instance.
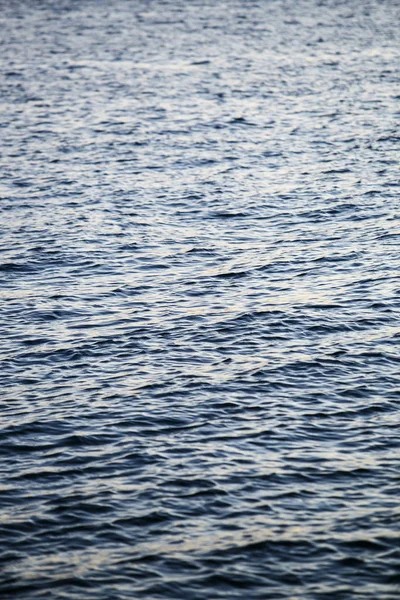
[200, 297]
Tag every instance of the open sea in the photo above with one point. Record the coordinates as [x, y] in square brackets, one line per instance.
[200, 299]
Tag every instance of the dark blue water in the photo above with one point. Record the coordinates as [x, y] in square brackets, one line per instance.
[200, 299]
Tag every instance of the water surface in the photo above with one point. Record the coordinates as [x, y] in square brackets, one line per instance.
[200, 299]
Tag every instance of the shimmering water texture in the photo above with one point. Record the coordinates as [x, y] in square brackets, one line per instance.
[200, 300]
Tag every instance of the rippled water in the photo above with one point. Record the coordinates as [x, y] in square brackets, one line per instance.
[200, 299]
